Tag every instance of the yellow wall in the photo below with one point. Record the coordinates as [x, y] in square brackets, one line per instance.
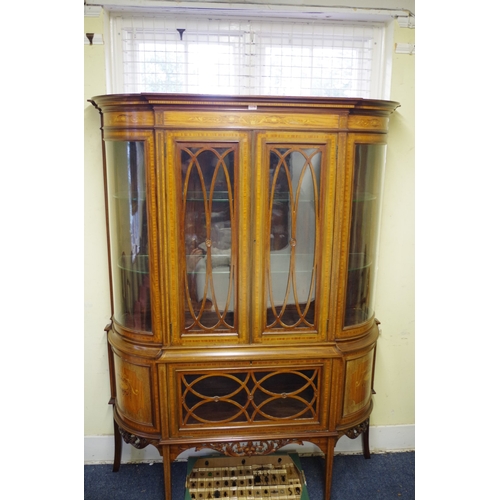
[395, 294]
[394, 376]
[98, 416]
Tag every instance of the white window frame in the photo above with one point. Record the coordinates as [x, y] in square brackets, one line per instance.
[380, 61]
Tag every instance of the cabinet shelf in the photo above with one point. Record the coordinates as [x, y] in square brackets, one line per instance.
[139, 264]
[357, 261]
[220, 269]
[125, 196]
[219, 196]
[360, 197]
[223, 196]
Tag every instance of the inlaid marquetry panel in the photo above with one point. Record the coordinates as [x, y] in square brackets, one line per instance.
[358, 383]
[129, 119]
[246, 119]
[133, 391]
[359, 122]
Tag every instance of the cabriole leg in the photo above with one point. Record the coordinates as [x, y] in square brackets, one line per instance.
[366, 441]
[118, 448]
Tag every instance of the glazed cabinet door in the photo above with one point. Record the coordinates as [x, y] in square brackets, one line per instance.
[131, 209]
[208, 219]
[365, 159]
[293, 235]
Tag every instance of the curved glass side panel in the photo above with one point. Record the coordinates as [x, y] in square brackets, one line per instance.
[368, 166]
[129, 234]
[293, 218]
[208, 221]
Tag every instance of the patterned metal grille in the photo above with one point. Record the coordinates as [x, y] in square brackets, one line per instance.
[249, 396]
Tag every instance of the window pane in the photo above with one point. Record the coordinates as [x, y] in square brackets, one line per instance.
[247, 57]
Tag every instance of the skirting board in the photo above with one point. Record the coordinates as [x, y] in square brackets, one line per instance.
[383, 439]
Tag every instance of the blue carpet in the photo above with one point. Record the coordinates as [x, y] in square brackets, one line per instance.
[384, 476]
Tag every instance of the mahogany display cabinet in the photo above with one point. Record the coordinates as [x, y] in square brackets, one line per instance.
[242, 235]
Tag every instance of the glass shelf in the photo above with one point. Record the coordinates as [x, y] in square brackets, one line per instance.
[220, 196]
[216, 196]
[125, 196]
[140, 264]
[357, 315]
[302, 272]
[358, 261]
[280, 261]
[220, 269]
[360, 197]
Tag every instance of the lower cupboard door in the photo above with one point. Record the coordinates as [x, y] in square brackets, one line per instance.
[358, 383]
[135, 402]
[256, 396]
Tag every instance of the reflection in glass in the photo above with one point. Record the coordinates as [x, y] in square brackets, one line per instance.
[208, 224]
[293, 215]
[368, 166]
[129, 234]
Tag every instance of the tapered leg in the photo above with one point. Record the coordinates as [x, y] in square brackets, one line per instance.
[366, 442]
[167, 478]
[329, 468]
[118, 448]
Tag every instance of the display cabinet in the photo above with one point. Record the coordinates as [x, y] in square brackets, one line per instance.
[242, 238]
